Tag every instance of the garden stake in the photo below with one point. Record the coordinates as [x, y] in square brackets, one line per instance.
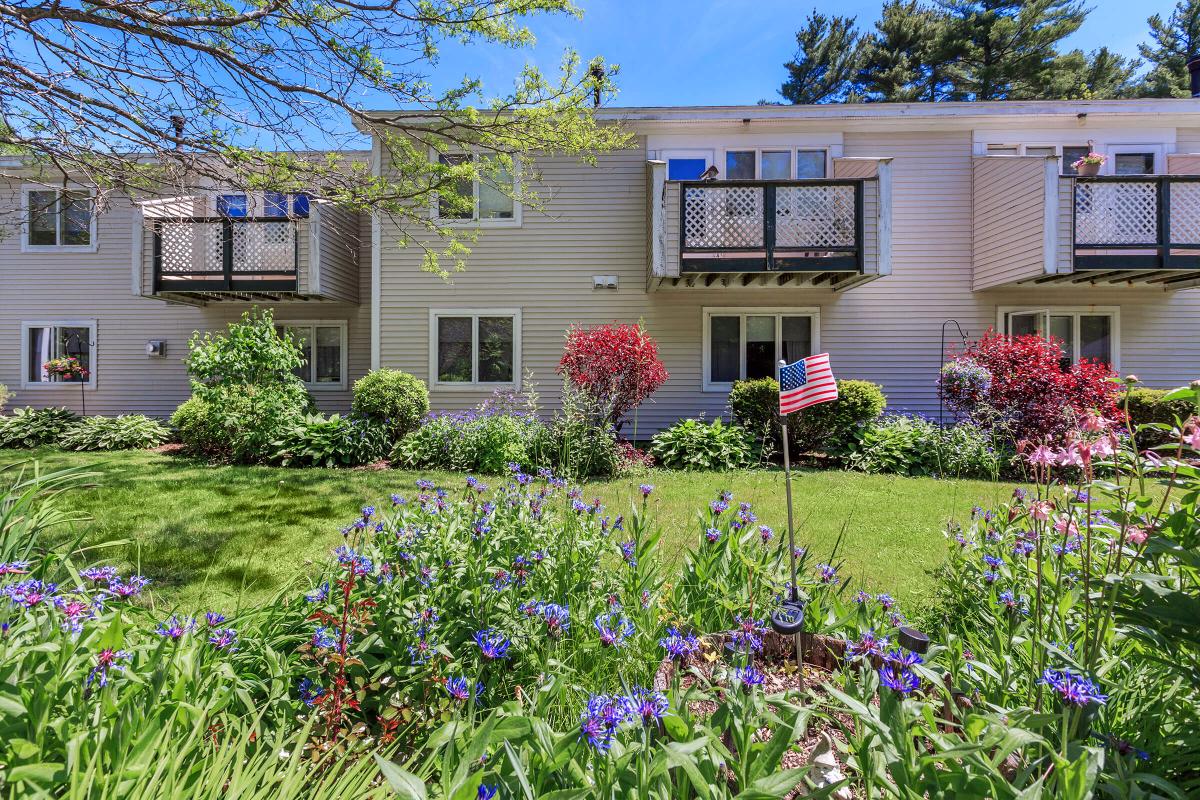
[790, 618]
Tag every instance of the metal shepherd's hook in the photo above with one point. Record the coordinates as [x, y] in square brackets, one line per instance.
[788, 619]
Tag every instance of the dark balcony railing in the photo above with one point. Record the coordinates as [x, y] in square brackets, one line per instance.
[221, 254]
[1132, 222]
[745, 226]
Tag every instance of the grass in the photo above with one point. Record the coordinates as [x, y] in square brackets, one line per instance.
[211, 536]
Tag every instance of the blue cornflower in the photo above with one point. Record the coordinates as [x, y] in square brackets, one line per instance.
[601, 718]
[29, 593]
[749, 676]
[425, 576]
[1008, 600]
[646, 489]
[646, 705]
[319, 594]
[501, 579]
[213, 618]
[826, 573]
[862, 597]
[175, 627]
[492, 643]
[628, 552]
[868, 645]
[397, 500]
[424, 484]
[93, 574]
[460, 689]
[486, 791]
[718, 507]
[903, 682]
[885, 600]
[1074, 689]
[422, 651]
[712, 534]
[223, 639]
[993, 561]
[747, 636]
[903, 658]
[679, 645]
[310, 693]
[556, 617]
[106, 660]
[15, 568]
[614, 629]
[579, 506]
[990, 576]
[130, 587]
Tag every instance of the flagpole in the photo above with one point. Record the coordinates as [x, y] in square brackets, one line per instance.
[791, 529]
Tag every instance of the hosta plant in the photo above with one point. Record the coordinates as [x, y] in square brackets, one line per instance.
[126, 432]
[336, 441]
[29, 427]
[694, 445]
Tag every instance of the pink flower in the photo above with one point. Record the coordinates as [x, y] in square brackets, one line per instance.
[1042, 455]
[1070, 456]
[1066, 526]
[1192, 437]
[1095, 423]
[1040, 510]
[1136, 536]
[1104, 446]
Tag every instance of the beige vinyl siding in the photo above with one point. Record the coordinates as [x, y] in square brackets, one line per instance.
[337, 241]
[1183, 164]
[1065, 257]
[1009, 208]
[78, 286]
[671, 221]
[1187, 140]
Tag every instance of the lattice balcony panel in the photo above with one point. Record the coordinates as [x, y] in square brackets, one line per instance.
[1185, 212]
[723, 217]
[1116, 213]
[190, 247]
[814, 217]
[264, 246]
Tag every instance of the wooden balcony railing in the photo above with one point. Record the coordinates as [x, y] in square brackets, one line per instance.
[746, 226]
[221, 254]
[1131, 222]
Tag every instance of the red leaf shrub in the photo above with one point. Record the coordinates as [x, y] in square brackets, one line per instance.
[1033, 393]
[616, 366]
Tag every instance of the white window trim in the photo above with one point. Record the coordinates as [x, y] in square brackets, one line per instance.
[1116, 149]
[1113, 312]
[26, 219]
[93, 367]
[1109, 150]
[475, 221]
[758, 150]
[813, 312]
[474, 314]
[343, 327]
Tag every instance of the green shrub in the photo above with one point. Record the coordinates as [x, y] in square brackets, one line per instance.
[692, 445]
[249, 397]
[334, 442]
[474, 442]
[1148, 407]
[912, 446]
[831, 428]
[29, 427]
[394, 398]
[5, 396]
[126, 432]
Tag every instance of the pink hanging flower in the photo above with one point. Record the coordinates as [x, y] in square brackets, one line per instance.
[1042, 455]
[1095, 423]
[1136, 536]
[1040, 510]
[1066, 526]
[1192, 436]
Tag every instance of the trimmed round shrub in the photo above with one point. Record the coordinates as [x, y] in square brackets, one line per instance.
[125, 432]
[693, 445]
[830, 428]
[30, 427]
[392, 398]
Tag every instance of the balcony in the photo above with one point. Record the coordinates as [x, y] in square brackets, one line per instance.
[197, 258]
[1138, 227]
[815, 233]
[1033, 226]
[213, 254]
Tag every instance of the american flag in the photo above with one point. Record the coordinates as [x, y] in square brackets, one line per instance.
[807, 382]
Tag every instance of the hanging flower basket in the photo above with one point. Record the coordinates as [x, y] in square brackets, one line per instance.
[66, 369]
[1089, 166]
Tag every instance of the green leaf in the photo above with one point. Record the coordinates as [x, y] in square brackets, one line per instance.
[406, 785]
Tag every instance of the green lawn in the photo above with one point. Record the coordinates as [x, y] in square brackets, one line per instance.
[208, 535]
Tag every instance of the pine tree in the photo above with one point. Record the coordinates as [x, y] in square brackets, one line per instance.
[1174, 41]
[1100, 75]
[909, 57]
[828, 52]
[1006, 48]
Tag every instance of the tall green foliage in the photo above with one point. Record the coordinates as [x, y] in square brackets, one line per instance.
[1172, 41]
[909, 57]
[827, 56]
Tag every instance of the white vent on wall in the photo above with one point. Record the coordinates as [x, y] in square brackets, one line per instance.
[604, 281]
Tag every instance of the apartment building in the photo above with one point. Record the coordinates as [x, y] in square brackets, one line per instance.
[736, 235]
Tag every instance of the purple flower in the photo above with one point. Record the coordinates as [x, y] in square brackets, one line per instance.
[885, 600]
[1074, 689]
[826, 573]
[14, 568]
[355, 563]
[131, 587]
[903, 682]
[310, 693]
[993, 561]
[29, 593]
[614, 629]
[493, 644]
[646, 489]
[93, 574]
[646, 705]
[862, 597]
[903, 658]
[718, 507]
[319, 594]
[106, 660]
[213, 618]
[766, 533]
[397, 500]
[486, 791]
[601, 718]
[749, 676]
[747, 636]
[712, 534]
[991, 577]
[224, 638]
[74, 610]
[460, 689]
[628, 552]
[868, 645]
[175, 628]
[679, 645]
[324, 638]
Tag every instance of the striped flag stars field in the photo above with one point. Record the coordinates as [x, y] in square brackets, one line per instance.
[805, 383]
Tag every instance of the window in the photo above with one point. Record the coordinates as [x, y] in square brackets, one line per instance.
[275, 204]
[739, 165]
[1089, 333]
[475, 348]
[488, 199]
[741, 343]
[810, 164]
[1067, 154]
[60, 219]
[685, 169]
[1133, 164]
[232, 205]
[323, 346]
[776, 165]
[1070, 155]
[46, 346]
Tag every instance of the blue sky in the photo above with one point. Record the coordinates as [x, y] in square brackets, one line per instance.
[722, 52]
